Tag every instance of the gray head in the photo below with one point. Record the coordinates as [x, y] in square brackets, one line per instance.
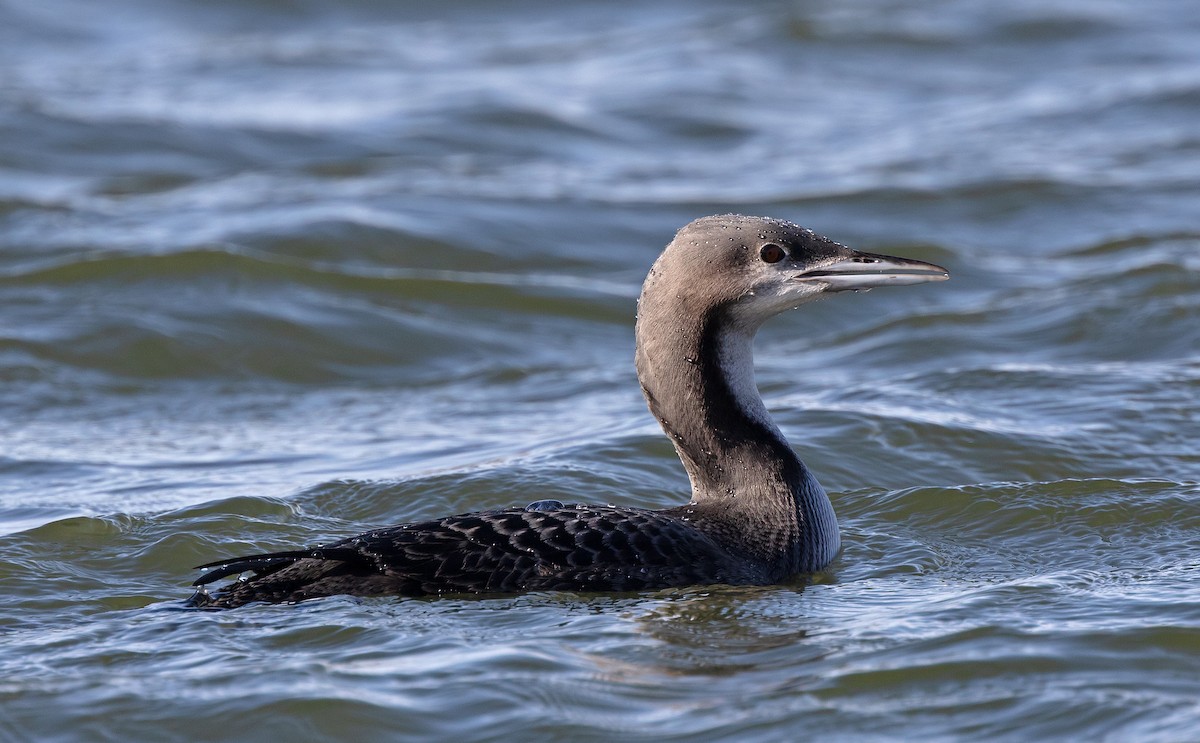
[755, 267]
[705, 297]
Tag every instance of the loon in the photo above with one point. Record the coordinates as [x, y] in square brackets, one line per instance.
[757, 515]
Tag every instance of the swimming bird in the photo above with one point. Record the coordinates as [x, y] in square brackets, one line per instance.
[757, 515]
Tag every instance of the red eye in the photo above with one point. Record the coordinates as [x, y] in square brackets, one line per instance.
[771, 253]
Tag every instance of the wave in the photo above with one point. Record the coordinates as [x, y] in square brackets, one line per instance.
[218, 310]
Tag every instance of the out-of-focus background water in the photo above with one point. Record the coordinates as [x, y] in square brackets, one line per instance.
[276, 271]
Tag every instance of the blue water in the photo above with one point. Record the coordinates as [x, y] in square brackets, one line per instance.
[274, 273]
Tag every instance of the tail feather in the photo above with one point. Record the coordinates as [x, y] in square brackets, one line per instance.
[270, 562]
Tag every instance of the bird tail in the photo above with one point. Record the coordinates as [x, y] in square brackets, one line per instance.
[260, 564]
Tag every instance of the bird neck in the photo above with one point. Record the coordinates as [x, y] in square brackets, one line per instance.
[698, 378]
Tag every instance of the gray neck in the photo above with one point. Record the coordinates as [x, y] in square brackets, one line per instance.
[698, 377]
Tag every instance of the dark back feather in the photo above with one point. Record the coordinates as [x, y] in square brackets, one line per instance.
[580, 548]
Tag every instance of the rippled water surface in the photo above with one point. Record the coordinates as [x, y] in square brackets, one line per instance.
[275, 272]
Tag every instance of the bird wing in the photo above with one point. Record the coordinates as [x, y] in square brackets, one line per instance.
[601, 548]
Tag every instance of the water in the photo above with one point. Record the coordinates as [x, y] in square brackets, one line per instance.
[273, 273]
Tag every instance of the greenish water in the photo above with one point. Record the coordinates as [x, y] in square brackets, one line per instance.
[275, 273]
